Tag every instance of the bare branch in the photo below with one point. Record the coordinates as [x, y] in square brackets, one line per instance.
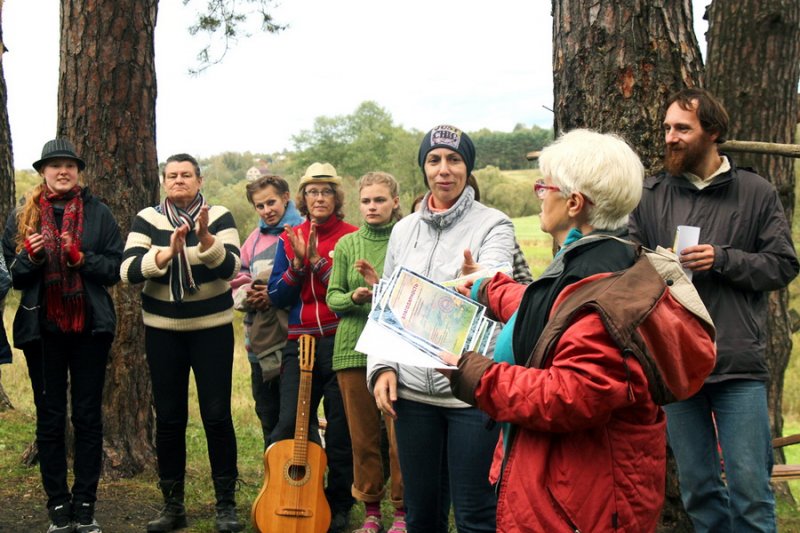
[224, 22]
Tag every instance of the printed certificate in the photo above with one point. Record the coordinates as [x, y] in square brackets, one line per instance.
[427, 312]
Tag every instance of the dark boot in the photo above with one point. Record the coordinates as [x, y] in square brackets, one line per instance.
[173, 516]
[225, 489]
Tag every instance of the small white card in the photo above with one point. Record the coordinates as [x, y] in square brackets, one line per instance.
[686, 236]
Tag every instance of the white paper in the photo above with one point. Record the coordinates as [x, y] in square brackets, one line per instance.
[686, 236]
[386, 344]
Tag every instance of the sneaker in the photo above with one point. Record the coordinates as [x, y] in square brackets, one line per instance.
[61, 519]
[84, 518]
[372, 524]
[398, 524]
[89, 527]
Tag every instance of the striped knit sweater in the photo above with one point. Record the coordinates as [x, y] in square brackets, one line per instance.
[212, 304]
[367, 243]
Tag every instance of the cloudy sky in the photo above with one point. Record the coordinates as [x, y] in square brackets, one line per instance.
[470, 63]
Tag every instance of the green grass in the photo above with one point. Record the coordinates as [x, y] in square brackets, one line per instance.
[537, 246]
[17, 427]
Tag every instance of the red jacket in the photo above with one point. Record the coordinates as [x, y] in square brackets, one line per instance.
[589, 451]
[304, 291]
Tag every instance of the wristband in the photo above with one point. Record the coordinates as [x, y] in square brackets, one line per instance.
[29, 248]
[73, 255]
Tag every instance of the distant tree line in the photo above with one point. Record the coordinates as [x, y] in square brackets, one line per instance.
[367, 140]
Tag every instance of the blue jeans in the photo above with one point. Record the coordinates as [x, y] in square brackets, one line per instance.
[445, 454]
[739, 408]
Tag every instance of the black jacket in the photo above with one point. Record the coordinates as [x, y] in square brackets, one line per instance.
[740, 214]
[101, 245]
[581, 259]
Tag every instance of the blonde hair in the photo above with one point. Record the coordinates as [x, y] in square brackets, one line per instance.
[383, 178]
[29, 215]
[602, 167]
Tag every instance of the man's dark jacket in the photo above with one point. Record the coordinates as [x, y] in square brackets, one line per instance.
[741, 215]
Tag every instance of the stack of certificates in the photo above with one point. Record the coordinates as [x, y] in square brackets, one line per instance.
[429, 317]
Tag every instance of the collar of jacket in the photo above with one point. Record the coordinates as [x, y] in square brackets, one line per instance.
[682, 182]
[449, 217]
[556, 266]
[326, 228]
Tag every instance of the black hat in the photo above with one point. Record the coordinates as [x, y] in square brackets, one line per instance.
[445, 136]
[58, 148]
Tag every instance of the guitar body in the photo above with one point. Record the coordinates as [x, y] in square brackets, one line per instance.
[292, 499]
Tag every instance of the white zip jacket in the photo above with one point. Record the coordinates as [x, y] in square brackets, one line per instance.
[433, 244]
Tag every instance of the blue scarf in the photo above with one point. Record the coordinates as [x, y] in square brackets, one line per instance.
[292, 217]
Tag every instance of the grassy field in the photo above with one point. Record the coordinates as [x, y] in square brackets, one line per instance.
[128, 504]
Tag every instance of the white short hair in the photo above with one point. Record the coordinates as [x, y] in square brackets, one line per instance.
[602, 167]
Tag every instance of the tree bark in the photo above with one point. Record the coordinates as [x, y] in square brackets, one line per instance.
[744, 38]
[614, 66]
[7, 190]
[106, 105]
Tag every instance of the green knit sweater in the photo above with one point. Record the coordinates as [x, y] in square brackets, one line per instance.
[367, 243]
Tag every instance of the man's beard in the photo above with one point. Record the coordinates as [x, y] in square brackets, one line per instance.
[686, 159]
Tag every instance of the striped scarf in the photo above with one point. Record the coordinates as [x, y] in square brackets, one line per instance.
[63, 286]
[180, 272]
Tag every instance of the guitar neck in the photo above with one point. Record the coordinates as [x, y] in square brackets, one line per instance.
[301, 420]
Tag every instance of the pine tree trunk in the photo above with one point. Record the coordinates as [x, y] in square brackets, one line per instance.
[614, 66]
[753, 68]
[106, 105]
[7, 190]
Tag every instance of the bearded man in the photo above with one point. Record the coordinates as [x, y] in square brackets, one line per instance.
[745, 250]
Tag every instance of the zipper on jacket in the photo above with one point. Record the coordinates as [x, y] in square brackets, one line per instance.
[430, 378]
[430, 256]
[560, 511]
[316, 302]
[627, 352]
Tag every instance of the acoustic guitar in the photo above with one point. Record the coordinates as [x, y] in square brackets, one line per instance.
[292, 499]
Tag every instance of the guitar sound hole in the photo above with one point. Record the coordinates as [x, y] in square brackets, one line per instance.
[297, 475]
[297, 472]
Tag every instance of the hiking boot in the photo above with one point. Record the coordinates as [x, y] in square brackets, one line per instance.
[173, 516]
[84, 518]
[61, 519]
[225, 490]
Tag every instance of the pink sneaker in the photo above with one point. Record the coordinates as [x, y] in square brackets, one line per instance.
[398, 525]
[372, 524]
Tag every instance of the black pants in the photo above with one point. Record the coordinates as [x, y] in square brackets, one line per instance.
[83, 358]
[267, 395]
[337, 436]
[209, 354]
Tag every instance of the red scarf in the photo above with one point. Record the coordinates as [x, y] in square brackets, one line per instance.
[63, 286]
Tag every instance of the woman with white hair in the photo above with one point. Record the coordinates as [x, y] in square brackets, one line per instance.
[583, 441]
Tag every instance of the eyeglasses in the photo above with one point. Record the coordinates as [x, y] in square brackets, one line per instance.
[541, 188]
[314, 193]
